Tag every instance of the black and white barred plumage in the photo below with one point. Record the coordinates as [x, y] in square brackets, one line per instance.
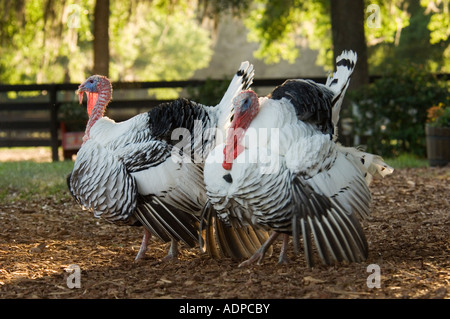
[292, 177]
[143, 172]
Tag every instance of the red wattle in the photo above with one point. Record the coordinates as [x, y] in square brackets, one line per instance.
[92, 99]
[229, 156]
[231, 152]
[227, 166]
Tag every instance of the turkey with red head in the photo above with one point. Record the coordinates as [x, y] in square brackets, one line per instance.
[281, 169]
[139, 172]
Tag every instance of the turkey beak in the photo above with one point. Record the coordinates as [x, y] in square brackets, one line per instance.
[80, 91]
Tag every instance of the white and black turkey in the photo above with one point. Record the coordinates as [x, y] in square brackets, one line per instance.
[281, 169]
[139, 172]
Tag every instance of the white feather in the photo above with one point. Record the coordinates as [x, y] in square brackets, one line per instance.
[224, 110]
[158, 179]
[338, 82]
[106, 130]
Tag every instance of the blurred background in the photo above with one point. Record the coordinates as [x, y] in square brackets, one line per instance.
[403, 51]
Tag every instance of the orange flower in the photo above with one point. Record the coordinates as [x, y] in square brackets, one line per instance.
[434, 112]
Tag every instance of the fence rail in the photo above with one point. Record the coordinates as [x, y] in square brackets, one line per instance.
[11, 119]
[49, 125]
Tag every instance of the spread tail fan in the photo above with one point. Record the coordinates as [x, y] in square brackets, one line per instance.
[220, 240]
[167, 222]
[325, 225]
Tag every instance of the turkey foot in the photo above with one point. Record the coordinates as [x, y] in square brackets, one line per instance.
[258, 256]
[283, 254]
[173, 251]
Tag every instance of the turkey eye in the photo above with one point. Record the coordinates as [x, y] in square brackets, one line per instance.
[91, 81]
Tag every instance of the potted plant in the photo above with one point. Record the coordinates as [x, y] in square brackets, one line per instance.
[73, 119]
[437, 130]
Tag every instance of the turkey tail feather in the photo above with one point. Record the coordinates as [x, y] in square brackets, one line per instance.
[167, 222]
[370, 164]
[222, 240]
[338, 82]
[336, 233]
[242, 80]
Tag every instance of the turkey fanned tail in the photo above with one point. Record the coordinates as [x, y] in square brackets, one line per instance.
[338, 236]
[167, 222]
[221, 240]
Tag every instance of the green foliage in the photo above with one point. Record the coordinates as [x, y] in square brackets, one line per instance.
[278, 26]
[214, 8]
[404, 31]
[272, 24]
[439, 115]
[412, 42]
[444, 120]
[393, 109]
[150, 44]
[394, 16]
[74, 116]
[164, 40]
[38, 45]
[209, 93]
[52, 41]
[439, 24]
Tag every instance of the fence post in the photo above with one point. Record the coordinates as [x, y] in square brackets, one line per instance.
[54, 123]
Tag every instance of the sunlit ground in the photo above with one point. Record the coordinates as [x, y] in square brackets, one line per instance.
[44, 231]
[37, 154]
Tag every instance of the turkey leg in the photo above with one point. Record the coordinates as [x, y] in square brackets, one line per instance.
[144, 244]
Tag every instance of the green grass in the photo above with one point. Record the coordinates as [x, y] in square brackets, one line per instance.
[27, 180]
[407, 161]
[32, 180]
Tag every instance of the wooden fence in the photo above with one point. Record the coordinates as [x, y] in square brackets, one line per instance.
[20, 125]
[36, 123]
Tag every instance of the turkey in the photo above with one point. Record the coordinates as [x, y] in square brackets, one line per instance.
[148, 170]
[281, 169]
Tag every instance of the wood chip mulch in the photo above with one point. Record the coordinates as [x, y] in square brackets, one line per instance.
[408, 236]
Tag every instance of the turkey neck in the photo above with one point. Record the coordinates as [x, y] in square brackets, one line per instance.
[104, 96]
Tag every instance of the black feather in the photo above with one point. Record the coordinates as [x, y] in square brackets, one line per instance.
[167, 222]
[69, 186]
[179, 114]
[311, 102]
[350, 64]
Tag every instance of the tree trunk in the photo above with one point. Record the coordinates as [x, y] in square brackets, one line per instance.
[101, 37]
[347, 25]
